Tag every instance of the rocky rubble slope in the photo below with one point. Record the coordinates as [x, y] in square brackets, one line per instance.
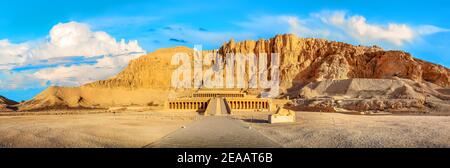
[373, 95]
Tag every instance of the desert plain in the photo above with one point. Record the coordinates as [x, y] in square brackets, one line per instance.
[131, 129]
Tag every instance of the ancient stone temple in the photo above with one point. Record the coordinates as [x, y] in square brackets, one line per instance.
[217, 102]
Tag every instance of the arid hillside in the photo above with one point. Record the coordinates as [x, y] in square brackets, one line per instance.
[6, 104]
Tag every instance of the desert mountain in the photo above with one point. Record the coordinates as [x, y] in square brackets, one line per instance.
[5, 104]
[4, 100]
[147, 79]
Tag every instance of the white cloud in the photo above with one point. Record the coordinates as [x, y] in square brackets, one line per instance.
[9, 80]
[65, 41]
[358, 28]
[76, 39]
[430, 29]
[11, 54]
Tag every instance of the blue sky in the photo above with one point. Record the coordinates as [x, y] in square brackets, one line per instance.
[47, 42]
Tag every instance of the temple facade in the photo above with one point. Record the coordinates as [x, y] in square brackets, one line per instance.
[232, 101]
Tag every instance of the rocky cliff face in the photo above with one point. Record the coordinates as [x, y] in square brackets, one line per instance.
[310, 60]
[302, 61]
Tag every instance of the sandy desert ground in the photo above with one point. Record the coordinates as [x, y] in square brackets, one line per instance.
[138, 129]
[131, 129]
[314, 129]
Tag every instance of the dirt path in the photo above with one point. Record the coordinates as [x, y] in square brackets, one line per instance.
[222, 132]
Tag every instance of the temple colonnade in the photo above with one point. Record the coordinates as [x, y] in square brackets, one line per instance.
[188, 105]
[248, 104]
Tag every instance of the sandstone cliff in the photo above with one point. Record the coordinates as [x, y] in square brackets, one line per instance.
[303, 60]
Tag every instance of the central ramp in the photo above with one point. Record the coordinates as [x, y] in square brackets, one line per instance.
[215, 132]
[217, 106]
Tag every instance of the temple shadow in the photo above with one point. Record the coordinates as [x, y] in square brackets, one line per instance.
[256, 121]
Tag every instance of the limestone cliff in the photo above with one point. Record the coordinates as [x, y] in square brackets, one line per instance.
[309, 60]
[303, 60]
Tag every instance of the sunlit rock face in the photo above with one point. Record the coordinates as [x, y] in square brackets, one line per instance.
[309, 60]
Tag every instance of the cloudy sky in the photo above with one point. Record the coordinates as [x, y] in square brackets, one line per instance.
[72, 42]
